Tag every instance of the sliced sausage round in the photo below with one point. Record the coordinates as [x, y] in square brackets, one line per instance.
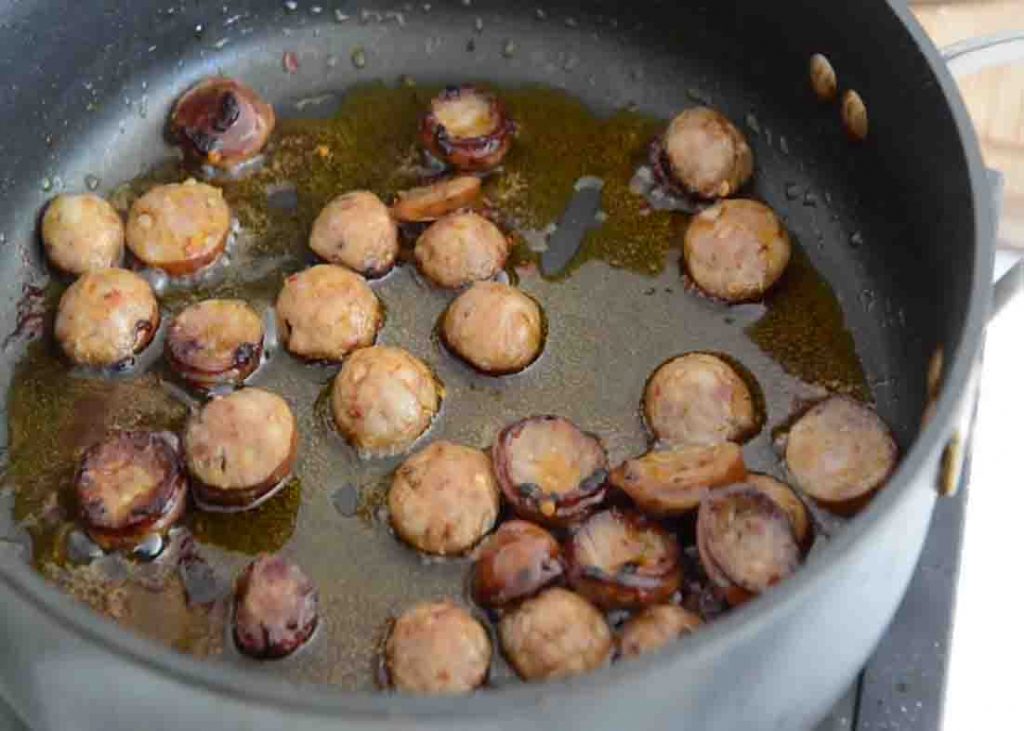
[654, 627]
[745, 541]
[383, 399]
[699, 398]
[82, 232]
[240, 448]
[736, 250]
[437, 648]
[222, 122]
[215, 342]
[325, 312]
[706, 154]
[431, 202]
[516, 561]
[495, 328]
[461, 248]
[549, 470]
[180, 227]
[839, 453]
[621, 560]
[356, 230]
[275, 608]
[444, 499]
[106, 317]
[129, 486]
[554, 635]
[793, 506]
[673, 482]
[467, 128]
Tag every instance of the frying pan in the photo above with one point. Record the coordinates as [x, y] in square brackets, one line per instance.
[905, 241]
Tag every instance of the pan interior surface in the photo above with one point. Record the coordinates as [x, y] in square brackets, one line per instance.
[883, 233]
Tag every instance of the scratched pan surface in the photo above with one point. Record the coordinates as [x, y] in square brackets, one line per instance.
[612, 317]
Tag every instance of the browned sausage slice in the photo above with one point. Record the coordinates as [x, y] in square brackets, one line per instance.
[275, 608]
[467, 128]
[746, 542]
[81, 233]
[549, 470]
[437, 648]
[495, 328]
[839, 453]
[736, 250]
[356, 230]
[215, 342]
[785, 498]
[461, 248]
[699, 398]
[673, 482]
[130, 485]
[431, 202]
[707, 154]
[517, 561]
[654, 627]
[444, 499]
[222, 122]
[622, 560]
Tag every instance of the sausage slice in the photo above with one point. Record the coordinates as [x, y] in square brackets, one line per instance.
[495, 328]
[793, 506]
[706, 154]
[437, 648]
[673, 482]
[517, 561]
[240, 448]
[554, 635]
[326, 312]
[215, 342]
[745, 541]
[736, 250]
[356, 230]
[106, 317]
[840, 452]
[275, 608]
[461, 248]
[444, 499]
[221, 122]
[431, 202]
[81, 233]
[180, 227]
[654, 627]
[467, 128]
[549, 470]
[699, 398]
[621, 560]
[129, 486]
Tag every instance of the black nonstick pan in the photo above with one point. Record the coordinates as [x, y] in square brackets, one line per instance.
[891, 275]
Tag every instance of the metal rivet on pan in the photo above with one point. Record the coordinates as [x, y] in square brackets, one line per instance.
[823, 78]
[951, 466]
[855, 116]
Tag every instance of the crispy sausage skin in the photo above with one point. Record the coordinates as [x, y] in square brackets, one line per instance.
[654, 627]
[383, 399]
[549, 470]
[746, 542]
[673, 482]
[621, 560]
[840, 452]
[736, 250]
[495, 328]
[221, 122]
[516, 561]
[787, 499]
[444, 499]
[240, 448]
[81, 233]
[437, 648]
[275, 608]
[106, 317]
[698, 398]
[554, 635]
[356, 230]
[130, 485]
[706, 154]
[215, 342]
[180, 227]
[325, 312]
[467, 128]
[459, 249]
[431, 202]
